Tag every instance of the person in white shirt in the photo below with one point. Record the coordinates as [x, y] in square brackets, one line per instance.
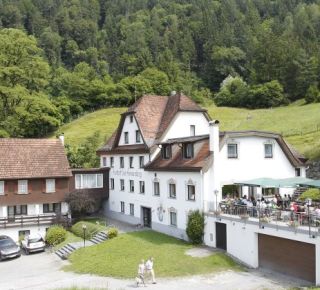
[150, 271]
[141, 270]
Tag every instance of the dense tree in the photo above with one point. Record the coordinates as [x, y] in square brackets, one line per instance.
[82, 55]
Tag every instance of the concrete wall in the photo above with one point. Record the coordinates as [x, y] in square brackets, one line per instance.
[242, 239]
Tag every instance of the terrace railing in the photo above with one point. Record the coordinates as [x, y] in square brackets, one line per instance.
[269, 214]
[27, 220]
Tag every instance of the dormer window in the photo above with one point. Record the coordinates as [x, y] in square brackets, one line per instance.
[138, 136]
[126, 137]
[131, 118]
[166, 151]
[188, 150]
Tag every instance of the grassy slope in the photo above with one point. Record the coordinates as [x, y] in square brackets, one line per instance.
[297, 122]
[120, 257]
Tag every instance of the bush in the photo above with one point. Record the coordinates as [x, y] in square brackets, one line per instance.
[55, 235]
[112, 233]
[195, 227]
[91, 229]
[313, 193]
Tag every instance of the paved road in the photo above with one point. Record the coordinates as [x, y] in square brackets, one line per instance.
[42, 271]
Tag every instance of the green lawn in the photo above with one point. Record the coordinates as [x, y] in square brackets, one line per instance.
[120, 257]
[299, 123]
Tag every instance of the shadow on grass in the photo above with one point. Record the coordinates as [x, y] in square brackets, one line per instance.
[157, 238]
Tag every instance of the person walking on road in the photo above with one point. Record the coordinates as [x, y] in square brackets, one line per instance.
[150, 270]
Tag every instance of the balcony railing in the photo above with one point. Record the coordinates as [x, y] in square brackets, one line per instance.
[265, 216]
[37, 220]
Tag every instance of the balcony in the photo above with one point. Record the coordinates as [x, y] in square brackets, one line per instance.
[34, 220]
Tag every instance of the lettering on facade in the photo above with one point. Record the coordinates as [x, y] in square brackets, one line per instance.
[127, 173]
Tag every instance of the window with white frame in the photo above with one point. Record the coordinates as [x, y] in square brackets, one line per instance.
[89, 181]
[22, 186]
[173, 217]
[126, 137]
[122, 209]
[104, 161]
[138, 136]
[141, 185]
[141, 161]
[131, 184]
[131, 209]
[17, 210]
[172, 190]
[131, 118]
[50, 185]
[121, 162]
[156, 188]
[191, 192]
[192, 130]
[122, 184]
[52, 207]
[131, 161]
[111, 162]
[268, 150]
[1, 187]
[111, 183]
[232, 150]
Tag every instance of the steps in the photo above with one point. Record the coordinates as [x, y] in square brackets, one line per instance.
[68, 249]
[65, 251]
[99, 238]
[298, 191]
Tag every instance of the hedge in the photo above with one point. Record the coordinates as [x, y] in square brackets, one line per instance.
[91, 229]
[56, 234]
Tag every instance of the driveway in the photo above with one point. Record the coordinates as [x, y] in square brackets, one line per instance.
[43, 271]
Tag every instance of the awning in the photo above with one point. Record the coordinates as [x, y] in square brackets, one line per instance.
[312, 183]
[262, 182]
[277, 183]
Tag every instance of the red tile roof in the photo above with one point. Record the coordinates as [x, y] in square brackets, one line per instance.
[154, 115]
[32, 158]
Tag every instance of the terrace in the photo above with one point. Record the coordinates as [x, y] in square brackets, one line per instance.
[36, 220]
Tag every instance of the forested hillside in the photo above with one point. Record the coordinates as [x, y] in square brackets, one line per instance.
[60, 58]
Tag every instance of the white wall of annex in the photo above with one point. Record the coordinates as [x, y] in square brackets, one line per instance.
[251, 162]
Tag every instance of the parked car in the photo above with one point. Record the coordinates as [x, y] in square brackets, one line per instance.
[8, 248]
[33, 243]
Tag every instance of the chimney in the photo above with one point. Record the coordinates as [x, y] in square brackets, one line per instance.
[214, 136]
[61, 137]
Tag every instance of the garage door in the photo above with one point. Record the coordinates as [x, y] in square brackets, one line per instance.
[288, 257]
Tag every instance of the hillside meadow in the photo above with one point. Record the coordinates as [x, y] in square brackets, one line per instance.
[299, 124]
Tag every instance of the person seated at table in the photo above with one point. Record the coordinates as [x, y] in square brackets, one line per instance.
[285, 201]
[293, 207]
[253, 200]
[244, 200]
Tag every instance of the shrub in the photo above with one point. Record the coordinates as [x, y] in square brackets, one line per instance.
[55, 235]
[195, 227]
[91, 229]
[313, 193]
[112, 233]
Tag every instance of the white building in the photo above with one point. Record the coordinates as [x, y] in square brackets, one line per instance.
[167, 158]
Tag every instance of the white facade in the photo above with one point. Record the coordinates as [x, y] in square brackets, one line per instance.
[249, 163]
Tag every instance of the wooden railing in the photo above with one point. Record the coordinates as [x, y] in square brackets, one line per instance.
[44, 219]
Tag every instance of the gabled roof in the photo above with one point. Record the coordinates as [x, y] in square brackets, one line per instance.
[32, 158]
[153, 115]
